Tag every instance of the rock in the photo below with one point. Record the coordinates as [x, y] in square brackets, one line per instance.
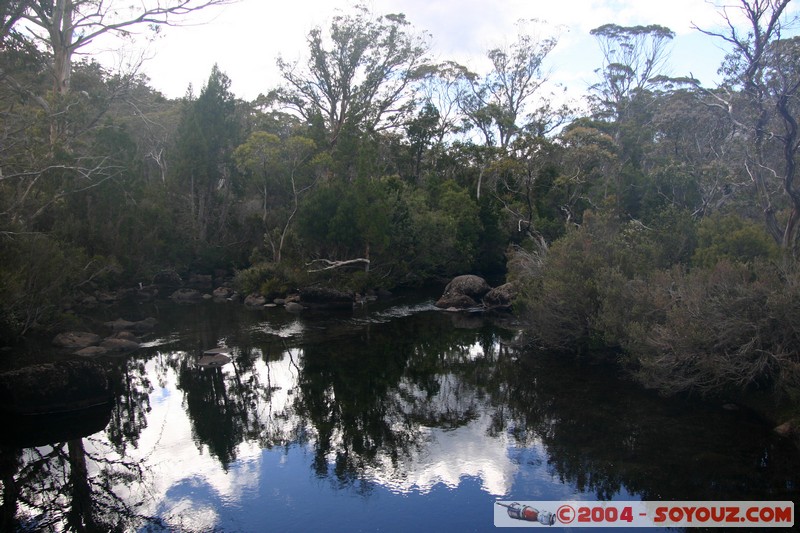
[145, 325]
[76, 339]
[120, 324]
[463, 292]
[119, 345]
[325, 298]
[255, 300]
[222, 293]
[91, 351]
[146, 294]
[790, 429]
[500, 298]
[141, 326]
[186, 296]
[54, 387]
[279, 301]
[126, 335]
[294, 307]
[167, 279]
[456, 301]
[213, 360]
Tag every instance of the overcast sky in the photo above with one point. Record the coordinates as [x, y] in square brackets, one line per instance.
[244, 39]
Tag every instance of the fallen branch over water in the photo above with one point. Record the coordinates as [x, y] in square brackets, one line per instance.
[330, 265]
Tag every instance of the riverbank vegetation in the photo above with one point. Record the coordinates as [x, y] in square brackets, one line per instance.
[658, 217]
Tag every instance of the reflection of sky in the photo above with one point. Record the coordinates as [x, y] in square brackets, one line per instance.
[448, 457]
[191, 491]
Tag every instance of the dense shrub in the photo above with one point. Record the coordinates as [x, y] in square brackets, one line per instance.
[733, 325]
[732, 238]
[569, 301]
[37, 272]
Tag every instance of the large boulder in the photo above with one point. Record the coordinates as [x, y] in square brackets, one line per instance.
[255, 300]
[76, 339]
[463, 292]
[500, 298]
[222, 293]
[186, 296]
[325, 298]
[54, 387]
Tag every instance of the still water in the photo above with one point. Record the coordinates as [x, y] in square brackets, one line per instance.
[393, 417]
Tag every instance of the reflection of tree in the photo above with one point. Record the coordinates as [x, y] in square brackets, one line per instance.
[132, 388]
[604, 435]
[368, 395]
[67, 486]
[223, 405]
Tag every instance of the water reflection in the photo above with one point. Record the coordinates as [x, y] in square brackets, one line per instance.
[403, 408]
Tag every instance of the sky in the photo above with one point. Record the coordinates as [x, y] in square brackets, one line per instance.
[245, 38]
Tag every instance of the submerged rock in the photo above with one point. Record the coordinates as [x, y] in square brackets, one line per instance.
[294, 307]
[326, 298]
[54, 387]
[119, 345]
[76, 339]
[213, 360]
[91, 351]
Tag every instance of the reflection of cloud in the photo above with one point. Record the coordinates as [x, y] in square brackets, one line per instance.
[447, 457]
[186, 515]
[185, 483]
[174, 464]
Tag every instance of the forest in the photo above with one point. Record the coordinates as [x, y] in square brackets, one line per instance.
[657, 222]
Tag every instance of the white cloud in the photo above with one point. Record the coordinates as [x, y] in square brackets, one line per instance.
[245, 38]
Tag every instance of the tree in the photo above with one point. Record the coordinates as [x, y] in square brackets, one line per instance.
[759, 93]
[359, 75]
[633, 60]
[66, 26]
[496, 103]
[202, 168]
[282, 171]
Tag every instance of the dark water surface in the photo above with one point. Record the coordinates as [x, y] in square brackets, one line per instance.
[394, 417]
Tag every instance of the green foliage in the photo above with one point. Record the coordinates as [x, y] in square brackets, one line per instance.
[571, 298]
[202, 171]
[732, 238]
[37, 272]
[727, 327]
[270, 279]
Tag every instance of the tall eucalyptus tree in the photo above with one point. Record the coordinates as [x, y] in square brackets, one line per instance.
[759, 95]
[360, 74]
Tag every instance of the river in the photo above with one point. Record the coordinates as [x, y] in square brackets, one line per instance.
[393, 417]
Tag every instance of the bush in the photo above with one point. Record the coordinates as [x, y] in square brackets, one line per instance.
[270, 279]
[732, 238]
[730, 326]
[36, 274]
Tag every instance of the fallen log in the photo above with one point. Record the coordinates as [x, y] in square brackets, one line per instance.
[330, 265]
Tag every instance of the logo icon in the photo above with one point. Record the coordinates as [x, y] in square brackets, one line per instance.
[528, 513]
